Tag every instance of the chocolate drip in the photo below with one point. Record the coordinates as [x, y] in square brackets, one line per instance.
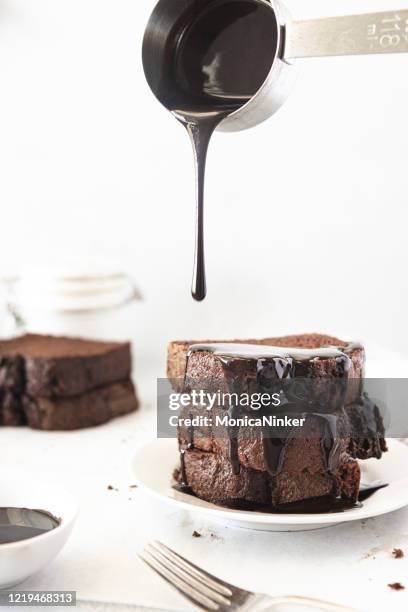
[183, 473]
[306, 390]
[236, 375]
[233, 453]
[191, 430]
[200, 127]
[270, 372]
[208, 74]
[265, 369]
[274, 454]
[330, 441]
[259, 368]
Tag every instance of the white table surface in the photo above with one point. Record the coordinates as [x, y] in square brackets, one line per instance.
[350, 564]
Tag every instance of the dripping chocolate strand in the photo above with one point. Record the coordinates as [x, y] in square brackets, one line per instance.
[182, 451]
[200, 127]
[183, 473]
[249, 369]
[213, 75]
[330, 442]
[270, 366]
[190, 434]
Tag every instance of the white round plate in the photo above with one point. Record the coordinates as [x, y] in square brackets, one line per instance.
[154, 463]
[20, 560]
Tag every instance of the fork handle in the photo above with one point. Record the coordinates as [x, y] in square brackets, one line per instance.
[385, 32]
[266, 603]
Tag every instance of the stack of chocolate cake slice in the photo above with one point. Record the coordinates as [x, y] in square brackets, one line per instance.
[58, 383]
[248, 469]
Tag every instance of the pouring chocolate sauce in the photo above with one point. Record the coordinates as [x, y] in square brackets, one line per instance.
[251, 368]
[228, 65]
[207, 74]
[216, 74]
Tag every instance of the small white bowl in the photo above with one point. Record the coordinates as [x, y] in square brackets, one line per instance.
[20, 560]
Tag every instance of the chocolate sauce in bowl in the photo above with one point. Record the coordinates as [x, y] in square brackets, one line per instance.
[219, 59]
[17, 524]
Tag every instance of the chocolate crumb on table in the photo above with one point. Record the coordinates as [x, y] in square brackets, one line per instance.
[396, 586]
[196, 534]
[397, 553]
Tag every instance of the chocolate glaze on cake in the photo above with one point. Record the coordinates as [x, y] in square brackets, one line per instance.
[177, 354]
[270, 470]
[272, 363]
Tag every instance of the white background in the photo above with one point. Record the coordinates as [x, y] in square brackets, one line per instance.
[306, 231]
[306, 214]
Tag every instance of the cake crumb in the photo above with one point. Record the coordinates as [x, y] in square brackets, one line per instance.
[132, 486]
[111, 488]
[397, 553]
[196, 534]
[396, 586]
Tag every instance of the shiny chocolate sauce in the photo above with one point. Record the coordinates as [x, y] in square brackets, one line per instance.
[17, 524]
[316, 505]
[219, 59]
[258, 368]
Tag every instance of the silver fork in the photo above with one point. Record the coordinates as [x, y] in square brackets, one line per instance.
[212, 594]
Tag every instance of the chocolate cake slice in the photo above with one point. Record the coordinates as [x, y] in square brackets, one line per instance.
[86, 410]
[11, 409]
[52, 366]
[51, 382]
[239, 469]
[211, 477]
[205, 362]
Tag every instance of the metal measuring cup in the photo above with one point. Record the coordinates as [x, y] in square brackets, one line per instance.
[385, 32]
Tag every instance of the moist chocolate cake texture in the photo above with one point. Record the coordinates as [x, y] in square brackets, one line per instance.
[237, 467]
[50, 382]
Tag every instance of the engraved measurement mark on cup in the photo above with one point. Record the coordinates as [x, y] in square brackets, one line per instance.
[390, 32]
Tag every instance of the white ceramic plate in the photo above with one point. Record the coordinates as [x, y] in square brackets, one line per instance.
[20, 560]
[154, 463]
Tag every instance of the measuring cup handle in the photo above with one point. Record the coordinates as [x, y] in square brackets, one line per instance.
[385, 32]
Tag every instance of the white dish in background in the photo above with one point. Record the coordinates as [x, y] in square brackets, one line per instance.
[154, 463]
[20, 560]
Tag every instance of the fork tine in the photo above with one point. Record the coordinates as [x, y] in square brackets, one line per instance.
[194, 571]
[192, 582]
[191, 594]
[222, 587]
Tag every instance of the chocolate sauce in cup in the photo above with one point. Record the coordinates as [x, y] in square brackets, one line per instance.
[228, 65]
[217, 57]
